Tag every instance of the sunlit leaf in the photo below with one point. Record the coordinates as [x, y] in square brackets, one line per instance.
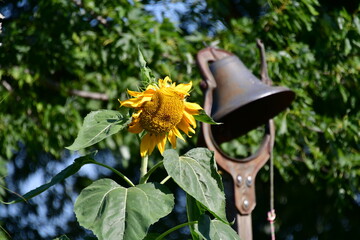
[215, 229]
[203, 117]
[97, 126]
[196, 174]
[113, 212]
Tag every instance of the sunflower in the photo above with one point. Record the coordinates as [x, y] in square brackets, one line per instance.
[162, 110]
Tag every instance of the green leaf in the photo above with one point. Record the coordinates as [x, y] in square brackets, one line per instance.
[215, 229]
[193, 210]
[97, 126]
[196, 174]
[67, 172]
[147, 76]
[283, 125]
[206, 158]
[141, 59]
[114, 212]
[348, 47]
[203, 117]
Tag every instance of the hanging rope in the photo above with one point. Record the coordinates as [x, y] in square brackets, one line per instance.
[271, 214]
[265, 78]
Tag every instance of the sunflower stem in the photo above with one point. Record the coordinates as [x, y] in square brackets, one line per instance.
[165, 179]
[115, 171]
[144, 165]
[147, 175]
[175, 228]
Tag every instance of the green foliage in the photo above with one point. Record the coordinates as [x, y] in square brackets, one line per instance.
[194, 211]
[196, 174]
[147, 76]
[60, 60]
[203, 117]
[114, 212]
[309, 49]
[215, 229]
[97, 126]
[56, 71]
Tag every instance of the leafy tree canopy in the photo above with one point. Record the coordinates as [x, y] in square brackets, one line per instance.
[61, 59]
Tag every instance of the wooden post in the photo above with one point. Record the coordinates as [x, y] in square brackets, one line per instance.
[244, 226]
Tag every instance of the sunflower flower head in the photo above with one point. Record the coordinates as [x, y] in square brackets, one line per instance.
[161, 110]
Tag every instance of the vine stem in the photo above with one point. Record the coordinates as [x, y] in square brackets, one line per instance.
[144, 165]
[115, 171]
[175, 228]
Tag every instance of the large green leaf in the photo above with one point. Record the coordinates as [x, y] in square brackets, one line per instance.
[114, 212]
[97, 126]
[196, 174]
[215, 230]
[206, 159]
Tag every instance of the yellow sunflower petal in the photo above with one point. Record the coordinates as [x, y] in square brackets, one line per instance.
[161, 142]
[145, 145]
[192, 108]
[172, 139]
[135, 127]
[148, 143]
[184, 88]
[137, 102]
[184, 126]
[134, 93]
[136, 115]
[153, 142]
[151, 87]
[165, 83]
[149, 92]
[161, 83]
[190, 119]
[177, 133]
[132, 103]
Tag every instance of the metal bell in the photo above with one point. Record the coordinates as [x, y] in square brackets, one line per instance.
[239, 99]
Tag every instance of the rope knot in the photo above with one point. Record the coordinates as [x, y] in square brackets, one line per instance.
[271, 216]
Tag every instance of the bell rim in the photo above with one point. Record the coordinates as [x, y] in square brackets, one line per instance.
[276, 90]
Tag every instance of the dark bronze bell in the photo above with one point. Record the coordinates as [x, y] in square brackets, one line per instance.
[240, 100]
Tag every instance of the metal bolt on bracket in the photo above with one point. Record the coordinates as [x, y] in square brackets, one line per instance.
[249, 181]
[238, 180]
[246, 204]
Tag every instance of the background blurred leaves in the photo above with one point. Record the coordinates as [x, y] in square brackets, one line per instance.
[60, 59]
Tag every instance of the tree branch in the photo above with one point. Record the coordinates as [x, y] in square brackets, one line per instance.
[79, 93]
[91, 95]
[7, 86]
[74, 92]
